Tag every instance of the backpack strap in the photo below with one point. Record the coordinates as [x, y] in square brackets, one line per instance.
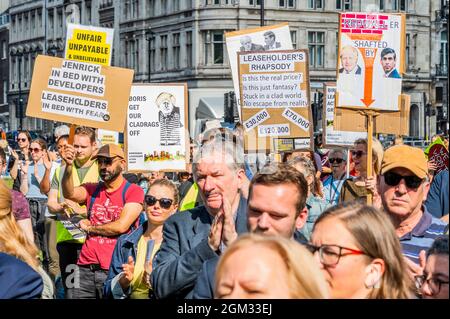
[124, 192]
[93, 198]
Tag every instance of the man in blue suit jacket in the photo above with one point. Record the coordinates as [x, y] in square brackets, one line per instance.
[286, 187]
[194, 236]
[388, 62]
[18, 280]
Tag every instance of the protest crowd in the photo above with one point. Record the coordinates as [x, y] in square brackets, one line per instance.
[264, 204]
[76, 225]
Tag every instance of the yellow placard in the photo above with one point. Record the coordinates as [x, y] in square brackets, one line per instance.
[89, 44]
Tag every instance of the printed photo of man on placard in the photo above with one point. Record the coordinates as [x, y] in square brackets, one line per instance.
[248, 46]
[271, 43]
[349, 61]
[388, 62]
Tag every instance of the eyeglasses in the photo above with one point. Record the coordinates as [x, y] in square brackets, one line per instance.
[105, 160]
[393, 179]
[21, 140]
[35, 150]
[331, 254]
[433, 283]
[337, 160]
[163, 202]
[357, 154]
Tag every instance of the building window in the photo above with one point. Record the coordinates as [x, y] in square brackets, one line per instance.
[5, 92]
[316, 45]
[189, 49]
[400, 5]
[439, 94]
[176, 5]
[163, 52]
[254, 2]
[286, 3]
[4, 49]
[214, 47]
[381, 4]
[152, 54]
[176, 51]
[443, 54]
[294, 39]
[344, 5]
[408, 51]
[136, 53]
[315, 4]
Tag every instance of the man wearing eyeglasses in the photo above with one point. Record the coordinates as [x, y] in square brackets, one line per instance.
[113, 209]
[333, 184]
[403, 187]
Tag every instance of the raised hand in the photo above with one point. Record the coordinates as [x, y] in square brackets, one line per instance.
[69, 154]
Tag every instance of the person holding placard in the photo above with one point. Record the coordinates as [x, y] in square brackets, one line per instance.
[114, 206]
[359, 187]
[132, 259]
[85, 170]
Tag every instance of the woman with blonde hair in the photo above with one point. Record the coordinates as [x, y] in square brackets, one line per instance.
[359, 253]
[266, 267]
[359, 187]
[14, 242]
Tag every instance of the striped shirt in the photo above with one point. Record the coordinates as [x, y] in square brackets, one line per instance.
[422, 236]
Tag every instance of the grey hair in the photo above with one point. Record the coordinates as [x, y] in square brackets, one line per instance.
[338, 150]
[231, 154]
[61, 130]
[308, 168]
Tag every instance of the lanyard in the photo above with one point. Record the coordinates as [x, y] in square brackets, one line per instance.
[336, 189]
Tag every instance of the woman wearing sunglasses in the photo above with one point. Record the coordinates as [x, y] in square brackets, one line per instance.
[359, 254]
[132, 258]
[19, 156]
[359, 187]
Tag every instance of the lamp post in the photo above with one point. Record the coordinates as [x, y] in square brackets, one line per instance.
[262, 13]
[149, 37]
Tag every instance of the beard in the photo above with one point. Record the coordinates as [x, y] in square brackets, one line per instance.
[110, 176]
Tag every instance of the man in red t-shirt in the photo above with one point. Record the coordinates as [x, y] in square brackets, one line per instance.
[113, 205]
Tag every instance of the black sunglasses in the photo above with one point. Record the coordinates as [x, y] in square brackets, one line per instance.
[105, 160]
[21, 140]
[393, 179]
[337, 160]
[358, 154]
[163, 202]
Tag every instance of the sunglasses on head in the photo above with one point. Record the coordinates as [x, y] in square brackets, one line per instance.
[335, 160]
[105, 160]
[35, 150]
[393, 179]
[163, 202]
[21, 140]
[358, 153]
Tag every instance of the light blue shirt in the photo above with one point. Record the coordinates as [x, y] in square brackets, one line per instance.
[33, 184]
[332, 189]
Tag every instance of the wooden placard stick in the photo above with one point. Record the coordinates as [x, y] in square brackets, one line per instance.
[72, 133]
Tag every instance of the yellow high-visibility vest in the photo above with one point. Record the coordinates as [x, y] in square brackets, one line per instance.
[190, 199]
[62, 234]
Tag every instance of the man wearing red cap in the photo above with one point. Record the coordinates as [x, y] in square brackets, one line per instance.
[113, 205]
